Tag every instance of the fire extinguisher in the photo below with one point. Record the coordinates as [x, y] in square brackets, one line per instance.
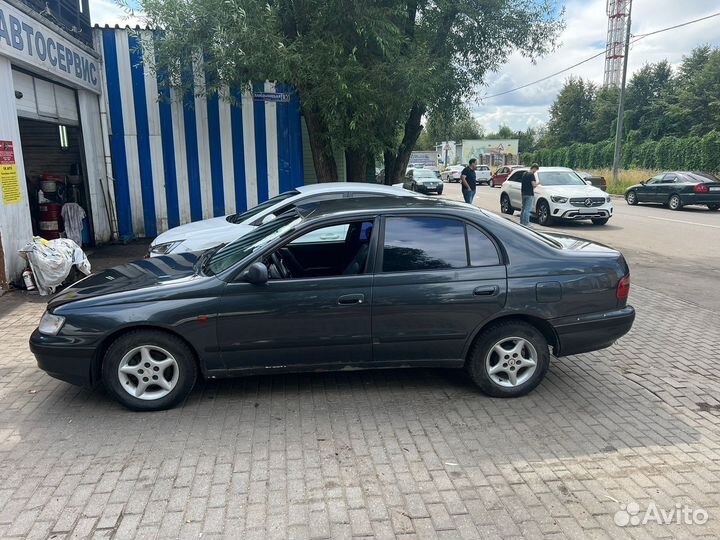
[28, 279]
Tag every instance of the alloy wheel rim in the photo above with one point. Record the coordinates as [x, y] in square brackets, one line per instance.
[504, 204]
[543, 213]
[511, 362]
[148, 372]
[631, 197]
[674, 202]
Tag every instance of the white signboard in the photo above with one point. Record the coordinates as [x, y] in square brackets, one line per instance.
[35, 45]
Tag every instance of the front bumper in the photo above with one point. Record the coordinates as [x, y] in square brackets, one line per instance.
[62, 359]
[570, 212]
[592, 331]
[425, 189]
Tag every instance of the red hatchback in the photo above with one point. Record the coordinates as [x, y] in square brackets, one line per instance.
[502, 173]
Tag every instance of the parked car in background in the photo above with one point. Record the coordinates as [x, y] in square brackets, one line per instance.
[422, 181]
[502, 173]
[561, 195]
[452, 173]
[209, 233]
[676, 189]
[412, 282]
[594, 179]
[483, 175]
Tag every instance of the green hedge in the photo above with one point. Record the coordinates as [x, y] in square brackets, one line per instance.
[688, 153]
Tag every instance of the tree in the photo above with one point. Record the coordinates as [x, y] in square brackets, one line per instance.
[367, 72]
[453, 126]
[571, 113]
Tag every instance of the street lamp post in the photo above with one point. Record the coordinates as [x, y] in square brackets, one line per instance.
[621, 105]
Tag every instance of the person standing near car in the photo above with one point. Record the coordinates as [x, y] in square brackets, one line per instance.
[468, 180]
[528, 184]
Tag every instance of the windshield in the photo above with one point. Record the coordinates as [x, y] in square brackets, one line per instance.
[254, 211]
[560, 178]
[246, 245]
[424, 173]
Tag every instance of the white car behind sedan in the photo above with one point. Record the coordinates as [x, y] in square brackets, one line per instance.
[209, 233]
[561, 195]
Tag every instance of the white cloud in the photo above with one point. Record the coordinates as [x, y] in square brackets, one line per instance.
[583, 37]
[104, 12]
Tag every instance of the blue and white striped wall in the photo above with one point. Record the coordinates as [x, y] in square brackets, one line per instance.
[185, 158]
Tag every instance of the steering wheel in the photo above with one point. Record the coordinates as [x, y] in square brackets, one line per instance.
[280, 266]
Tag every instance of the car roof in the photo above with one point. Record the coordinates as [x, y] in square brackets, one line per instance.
[357, 205]
[348, 186]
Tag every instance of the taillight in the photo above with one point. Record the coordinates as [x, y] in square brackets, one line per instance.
[623, 288]
[701, 188]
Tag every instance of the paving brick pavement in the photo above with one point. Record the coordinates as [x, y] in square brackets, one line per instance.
[384, 454]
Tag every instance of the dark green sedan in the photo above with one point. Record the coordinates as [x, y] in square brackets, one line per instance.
[676, 189]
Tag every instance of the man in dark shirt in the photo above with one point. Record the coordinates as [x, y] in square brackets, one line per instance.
[469, 184]
[528, 182]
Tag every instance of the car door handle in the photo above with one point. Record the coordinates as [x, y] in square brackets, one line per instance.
[490, 290]
[351, 299]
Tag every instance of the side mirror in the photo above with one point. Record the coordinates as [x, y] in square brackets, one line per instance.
[642, 182]
[268, 218]
[257, 274]
[588, 182]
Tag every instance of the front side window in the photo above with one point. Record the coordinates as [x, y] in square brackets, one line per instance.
[656, 179]
[423, 243]
[516, 176]
[333, 250]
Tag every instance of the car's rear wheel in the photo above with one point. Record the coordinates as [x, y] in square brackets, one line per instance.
[149, 370]
[713, 207]
[505, 205]
[631, 198]
[509, 359]
[600, 221]
[543, 214]
[674, 202]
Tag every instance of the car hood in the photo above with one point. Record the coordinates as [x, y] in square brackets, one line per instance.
[427, 180]
[164, 271]
[572, 191]
[201, 235]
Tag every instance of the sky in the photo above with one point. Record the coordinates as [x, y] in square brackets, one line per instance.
[584, 35]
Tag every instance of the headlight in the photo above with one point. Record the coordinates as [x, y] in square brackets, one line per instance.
[608, 199]
[164, 249]
[559, 199]
[50, 324]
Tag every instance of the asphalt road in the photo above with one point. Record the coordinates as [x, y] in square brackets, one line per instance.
[672, 253]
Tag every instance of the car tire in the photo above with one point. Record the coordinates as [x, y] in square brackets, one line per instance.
[600, 221]
[713, 207]
[631, 197]
[505, 206]
[543, 214]
[439, 191]
[510, 373]
[674, 202]
[153, 353]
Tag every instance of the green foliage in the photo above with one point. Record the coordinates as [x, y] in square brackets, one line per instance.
[671, 118]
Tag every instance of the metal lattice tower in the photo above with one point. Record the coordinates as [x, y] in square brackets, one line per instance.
[617, 11]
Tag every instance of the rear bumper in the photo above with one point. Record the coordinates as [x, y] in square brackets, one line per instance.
[700, 198]
[592, 331]
[57, 357]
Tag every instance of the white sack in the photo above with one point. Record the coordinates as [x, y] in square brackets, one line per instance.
[52, 260]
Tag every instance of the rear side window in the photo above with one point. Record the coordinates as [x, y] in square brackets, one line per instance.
[481, 248]
[423, 243]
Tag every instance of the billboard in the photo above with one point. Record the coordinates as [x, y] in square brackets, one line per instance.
[475, 148]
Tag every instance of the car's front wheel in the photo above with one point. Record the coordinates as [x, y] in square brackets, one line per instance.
[631, 198]
[600, 221]
[149, 370]
[509, 359]
[505, 205]
[543, 214]
[675, 203]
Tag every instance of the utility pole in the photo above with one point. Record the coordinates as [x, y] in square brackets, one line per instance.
[621, 105]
